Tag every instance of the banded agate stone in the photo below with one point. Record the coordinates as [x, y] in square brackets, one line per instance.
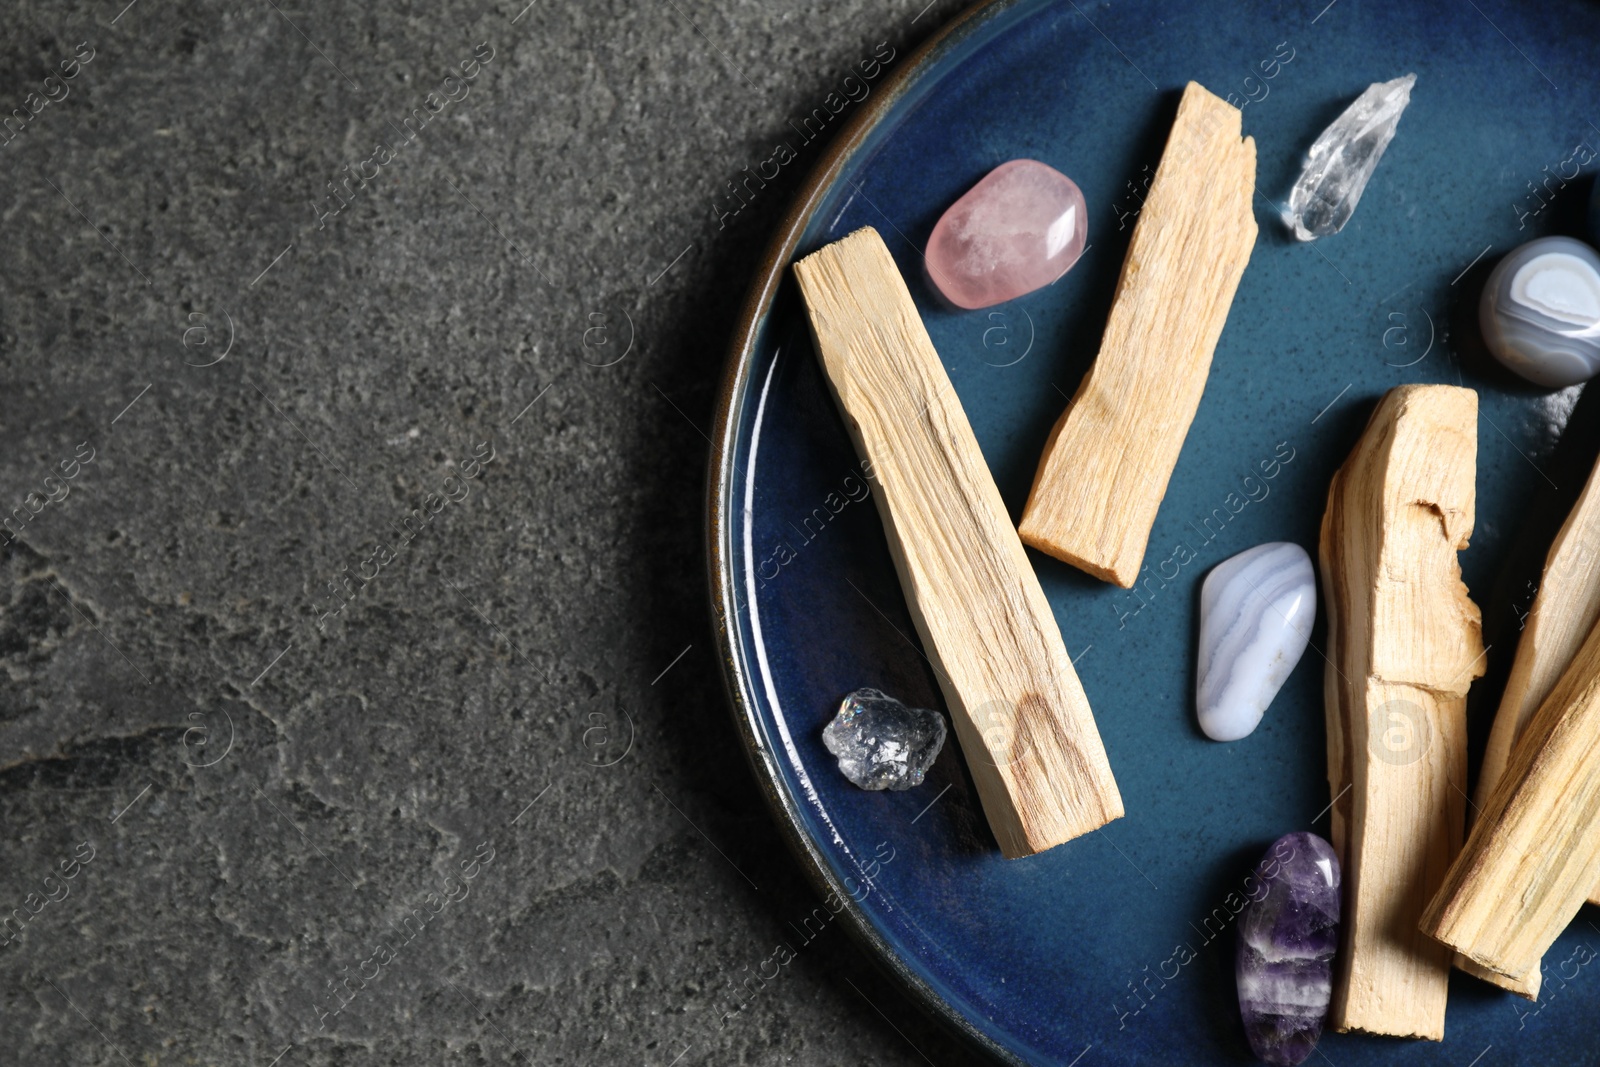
[1540, 312]
[1256, 613]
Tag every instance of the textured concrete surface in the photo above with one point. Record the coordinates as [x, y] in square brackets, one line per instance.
[338, 564]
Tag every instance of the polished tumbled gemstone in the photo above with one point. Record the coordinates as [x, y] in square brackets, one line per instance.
[1341, 160]
[1540, 312]
[1288, 934]
[1017, 230]
[881, 743]
[1256, 614]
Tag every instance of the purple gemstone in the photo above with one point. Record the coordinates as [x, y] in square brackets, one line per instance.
[1288, 933]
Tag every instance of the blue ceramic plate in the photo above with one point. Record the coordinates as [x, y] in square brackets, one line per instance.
[1075, 953]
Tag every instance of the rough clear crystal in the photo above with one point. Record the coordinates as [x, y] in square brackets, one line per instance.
[881, 743]
[1342, 160]
[1288, 935]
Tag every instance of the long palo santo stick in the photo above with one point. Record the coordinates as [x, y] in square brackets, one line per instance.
[1404, 645]
[1107, 463]
[1018, 708]
[1530, 861]
[1564, 610]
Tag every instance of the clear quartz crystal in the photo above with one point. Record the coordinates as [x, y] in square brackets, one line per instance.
[1342, 160]
[882, 744]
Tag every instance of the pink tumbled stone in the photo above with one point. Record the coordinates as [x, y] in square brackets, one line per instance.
[1019, 229]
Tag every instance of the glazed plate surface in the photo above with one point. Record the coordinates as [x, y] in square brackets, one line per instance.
[1072, 957]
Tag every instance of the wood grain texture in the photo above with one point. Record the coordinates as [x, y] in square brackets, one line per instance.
[1019, 711]
[1529, 864]
[1405, 644]
[1527, 986]
[1564, 610]
[1110, 456]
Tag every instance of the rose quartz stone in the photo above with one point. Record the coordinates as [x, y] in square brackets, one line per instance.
[1017, 230]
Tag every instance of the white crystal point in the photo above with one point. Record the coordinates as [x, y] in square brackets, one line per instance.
[1342, 160]
[1256, 614]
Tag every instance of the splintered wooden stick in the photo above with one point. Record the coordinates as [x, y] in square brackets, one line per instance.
[1404, 645]
[1530, 861]
[1526, 986]
[1018, 708]
[1564, 610]
[1107, 462]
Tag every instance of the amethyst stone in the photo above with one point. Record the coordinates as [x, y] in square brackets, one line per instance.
[1288, 934]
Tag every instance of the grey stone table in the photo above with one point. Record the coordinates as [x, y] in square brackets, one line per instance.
[338, 560]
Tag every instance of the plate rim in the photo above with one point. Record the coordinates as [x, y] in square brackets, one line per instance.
[721, 474]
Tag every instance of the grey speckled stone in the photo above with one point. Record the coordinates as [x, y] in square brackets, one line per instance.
[279, 811]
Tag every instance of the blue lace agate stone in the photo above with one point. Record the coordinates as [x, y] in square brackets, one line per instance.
[1256, 614]
[1288, 934]
[1540, 313]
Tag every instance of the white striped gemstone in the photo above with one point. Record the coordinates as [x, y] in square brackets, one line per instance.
[1256, 614]
[1540, 312]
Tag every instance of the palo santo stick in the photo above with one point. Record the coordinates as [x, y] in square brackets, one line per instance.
[1565, 609]
[1018, 708]
[1530, 861]
[1106, 465]
[1526, 986]
[1404, 645]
